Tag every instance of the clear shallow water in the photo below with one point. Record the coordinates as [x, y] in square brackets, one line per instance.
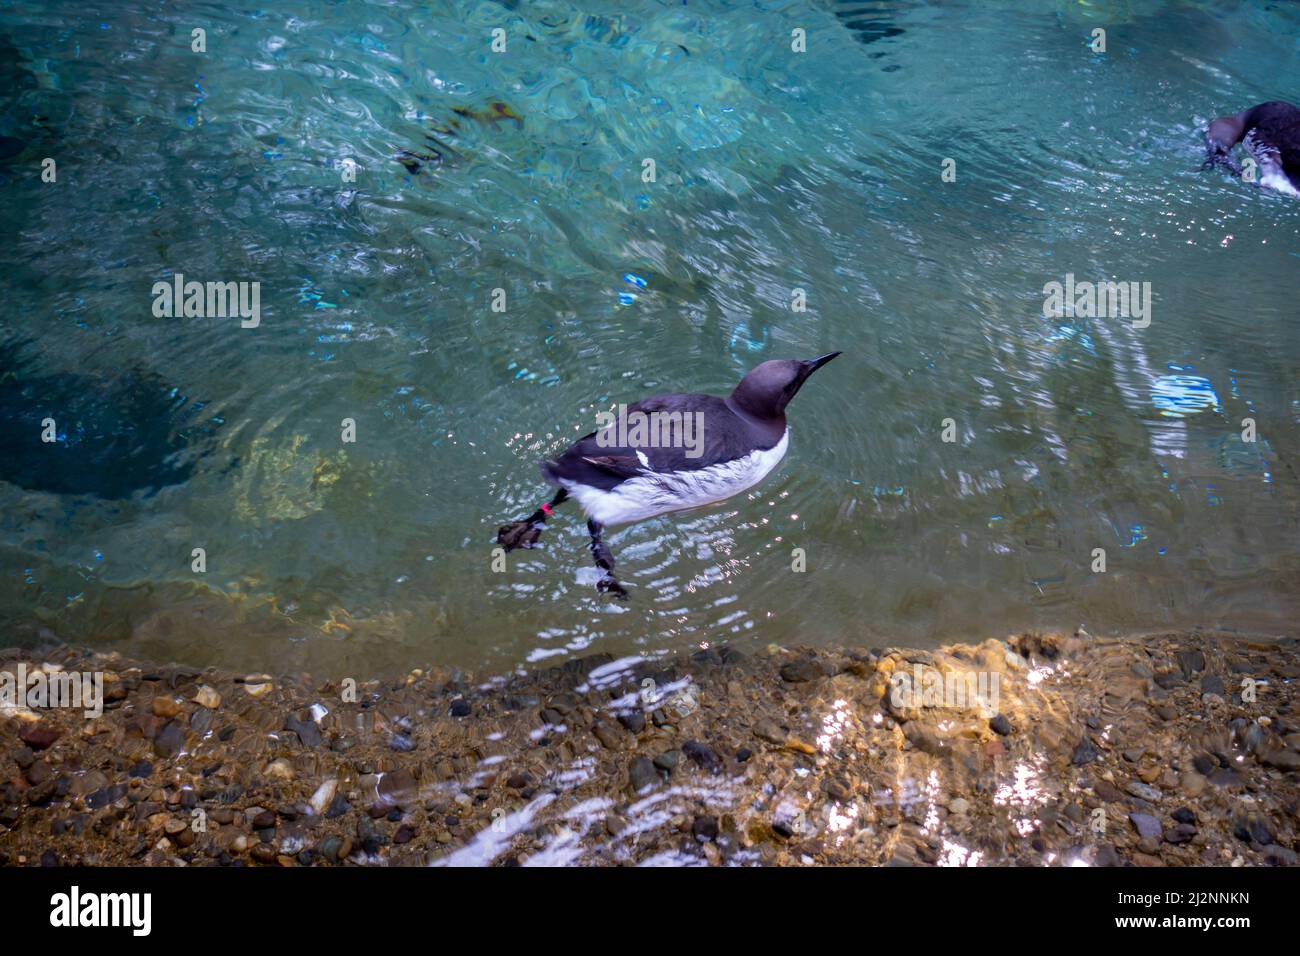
[775, 171]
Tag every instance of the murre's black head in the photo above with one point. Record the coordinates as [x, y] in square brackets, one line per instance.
[768, 388]
[1223, 134]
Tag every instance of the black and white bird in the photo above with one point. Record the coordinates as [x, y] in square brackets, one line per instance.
[738, 441]
[1271, 134]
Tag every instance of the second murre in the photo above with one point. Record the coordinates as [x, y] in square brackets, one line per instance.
[1271, 134]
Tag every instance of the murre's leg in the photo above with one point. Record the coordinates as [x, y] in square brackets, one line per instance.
[524, 534]
[605, 561]
[1224, 159]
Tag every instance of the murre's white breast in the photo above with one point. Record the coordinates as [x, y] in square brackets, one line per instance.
[1271, 173]
[1274, 177]
[653, 494]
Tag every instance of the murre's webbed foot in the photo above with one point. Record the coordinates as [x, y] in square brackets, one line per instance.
[608, 584]
[524, 534]
[519, 534]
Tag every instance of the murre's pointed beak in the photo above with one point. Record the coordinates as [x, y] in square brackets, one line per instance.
[813, 365]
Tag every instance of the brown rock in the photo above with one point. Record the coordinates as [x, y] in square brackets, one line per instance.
[264, 853]
[397, 788]
[1108, 791]
[39, 736]
[609, 735]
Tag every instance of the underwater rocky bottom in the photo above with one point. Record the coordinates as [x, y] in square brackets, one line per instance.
[1168, 749]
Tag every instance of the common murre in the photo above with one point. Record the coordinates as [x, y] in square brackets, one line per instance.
[1271, 134]
[741, 439]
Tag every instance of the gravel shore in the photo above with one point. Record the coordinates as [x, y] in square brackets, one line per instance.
[1158, 750]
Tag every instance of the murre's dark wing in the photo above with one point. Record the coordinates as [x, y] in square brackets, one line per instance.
[625, 466]
[1277, 124]
[715, 434]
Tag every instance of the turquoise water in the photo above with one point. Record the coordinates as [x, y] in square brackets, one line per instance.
[774, 171]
